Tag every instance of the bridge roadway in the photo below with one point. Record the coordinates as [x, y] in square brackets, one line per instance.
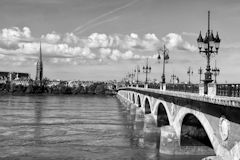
[211, 122]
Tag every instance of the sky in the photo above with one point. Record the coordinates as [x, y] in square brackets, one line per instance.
[107, 39]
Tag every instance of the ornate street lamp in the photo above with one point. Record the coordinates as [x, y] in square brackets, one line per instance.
[137, 71]
[173, 77]
[189, 72]
[131, 76]
[146, 69]
[216, 72]
[206, 46]
[200, 74]
[165, 52]
[127, 81]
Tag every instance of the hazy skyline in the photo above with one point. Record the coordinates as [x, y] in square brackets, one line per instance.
[105, 39]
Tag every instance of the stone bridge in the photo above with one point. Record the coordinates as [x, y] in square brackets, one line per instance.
[189, 123]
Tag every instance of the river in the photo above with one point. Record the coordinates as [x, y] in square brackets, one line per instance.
[73, 128]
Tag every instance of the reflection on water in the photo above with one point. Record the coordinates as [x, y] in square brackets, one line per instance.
[37, 119]
[75, 128]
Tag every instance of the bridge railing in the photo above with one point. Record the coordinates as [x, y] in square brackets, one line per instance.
[230, 90]
[227, 90]
[192, 88]
[154, 85]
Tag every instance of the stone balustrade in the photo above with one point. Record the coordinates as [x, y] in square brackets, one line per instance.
[220, 100]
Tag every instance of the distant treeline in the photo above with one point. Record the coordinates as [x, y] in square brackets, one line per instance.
[95, 88]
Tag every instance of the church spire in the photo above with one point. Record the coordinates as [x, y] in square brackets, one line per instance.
[39, 72]
[40, 56]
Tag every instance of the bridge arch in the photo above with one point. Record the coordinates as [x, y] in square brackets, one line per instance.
[161, 108]
[162, 115]
[147, 106]
[133, 98]
[193, 132]
[179, 122]
[139, 101]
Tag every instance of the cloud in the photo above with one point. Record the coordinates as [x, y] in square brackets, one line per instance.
[115, 55]
[151, 37]
[9, 37]
[128, 55]
[71, 49]
[175, 41]
[134, 35]
[52, 53]
[97, 40]
[14, 34]
[148, 42]
[105, 52]
[133, 41]
[51, 37]
[71, 39]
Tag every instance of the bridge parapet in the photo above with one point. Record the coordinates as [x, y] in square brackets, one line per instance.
[220, 100]
[230, 90]
[192, 88]
[225, 90]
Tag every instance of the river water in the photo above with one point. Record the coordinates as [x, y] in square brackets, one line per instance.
[73, 128]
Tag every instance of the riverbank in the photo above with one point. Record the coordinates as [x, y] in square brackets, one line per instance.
[95, 88]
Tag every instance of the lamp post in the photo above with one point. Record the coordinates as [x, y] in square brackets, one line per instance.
[165, 52]
[137, 71]
[189, 72]
[200, 74]
[206, 46]
[146, 69]
[131, 76]
[173, 77]
[127, 80]
[216, 72]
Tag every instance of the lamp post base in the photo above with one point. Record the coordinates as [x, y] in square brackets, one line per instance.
[146, 85]
[207, 80]
[163, 78]
[163, 86]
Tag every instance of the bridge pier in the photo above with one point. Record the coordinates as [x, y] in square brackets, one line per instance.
[150, 125]
[133, 109]
[139, 115]
[170, 144]
[169, 141]
[151, 131]
[132, 112]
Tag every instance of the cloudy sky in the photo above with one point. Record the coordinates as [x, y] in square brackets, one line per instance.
[106, 39]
